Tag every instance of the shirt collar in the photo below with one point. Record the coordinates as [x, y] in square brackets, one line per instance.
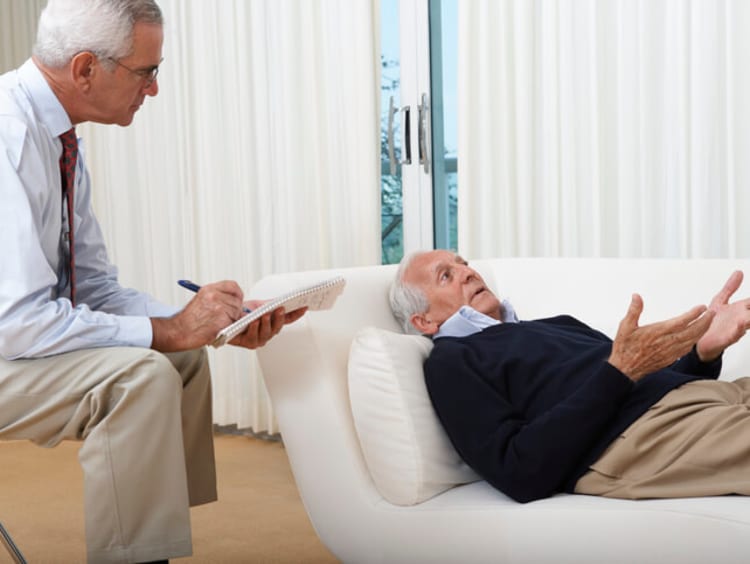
[46, 105]
[467, 321]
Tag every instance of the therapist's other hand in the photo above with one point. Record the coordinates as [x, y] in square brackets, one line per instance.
[260, 331]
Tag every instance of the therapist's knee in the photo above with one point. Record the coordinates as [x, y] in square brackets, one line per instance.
[154, 370]
[192, 365]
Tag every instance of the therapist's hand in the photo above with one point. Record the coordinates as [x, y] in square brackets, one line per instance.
[260, 331]
[214, 307]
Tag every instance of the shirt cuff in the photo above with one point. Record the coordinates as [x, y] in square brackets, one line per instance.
[136, 330]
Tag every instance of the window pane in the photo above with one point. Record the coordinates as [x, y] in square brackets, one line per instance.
[392, 235]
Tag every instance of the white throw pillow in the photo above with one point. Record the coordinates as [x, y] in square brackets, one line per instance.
[405, 447]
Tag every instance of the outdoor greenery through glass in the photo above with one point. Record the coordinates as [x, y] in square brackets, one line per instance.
[391, 212]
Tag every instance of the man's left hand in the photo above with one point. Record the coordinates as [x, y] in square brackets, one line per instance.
[260, 331]
[729, 324]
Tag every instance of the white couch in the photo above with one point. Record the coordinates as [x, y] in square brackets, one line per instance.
[306, 372]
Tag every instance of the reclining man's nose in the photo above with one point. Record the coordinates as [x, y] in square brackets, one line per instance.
[468, 273]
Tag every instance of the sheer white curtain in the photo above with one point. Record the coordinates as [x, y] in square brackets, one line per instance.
[604, 128]
[18, 19]
[260, 154]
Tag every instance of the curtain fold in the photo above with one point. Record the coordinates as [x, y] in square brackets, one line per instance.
[260, 154]
[18, 19]
[603, 128]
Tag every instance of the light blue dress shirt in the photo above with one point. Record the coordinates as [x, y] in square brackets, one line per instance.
[467, 321]
[36, 316]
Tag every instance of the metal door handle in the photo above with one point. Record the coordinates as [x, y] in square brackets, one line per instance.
[407, 135]
[423, 128]
[406, 141]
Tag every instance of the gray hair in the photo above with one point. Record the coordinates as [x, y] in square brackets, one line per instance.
[104, 27]
[407, 299]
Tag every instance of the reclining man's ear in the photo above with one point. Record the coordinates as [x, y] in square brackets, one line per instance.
[425, 325]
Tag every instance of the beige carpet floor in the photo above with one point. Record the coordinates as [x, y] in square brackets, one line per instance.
[259, 516]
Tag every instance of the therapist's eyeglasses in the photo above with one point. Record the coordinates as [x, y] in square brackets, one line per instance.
[147, 75]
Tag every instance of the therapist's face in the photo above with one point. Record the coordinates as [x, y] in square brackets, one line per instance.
[113, 90]
[448, 283]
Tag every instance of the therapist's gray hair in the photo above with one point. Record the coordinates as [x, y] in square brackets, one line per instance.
[407, 300]
[104, 27]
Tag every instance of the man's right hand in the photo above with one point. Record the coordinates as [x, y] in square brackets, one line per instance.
[638, 351]
[214, 307]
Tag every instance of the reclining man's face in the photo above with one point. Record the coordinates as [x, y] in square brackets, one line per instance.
[449, 283]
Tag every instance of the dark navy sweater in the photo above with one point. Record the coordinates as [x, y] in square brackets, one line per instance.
[530, 405]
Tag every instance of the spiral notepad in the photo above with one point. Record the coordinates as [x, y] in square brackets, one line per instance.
[321, 295]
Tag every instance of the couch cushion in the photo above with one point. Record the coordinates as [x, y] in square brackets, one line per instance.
[406, 449]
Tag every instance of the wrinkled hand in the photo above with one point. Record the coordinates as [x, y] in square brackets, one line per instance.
[637, 351]
[730, 322]
[214, 307]
[260, 331]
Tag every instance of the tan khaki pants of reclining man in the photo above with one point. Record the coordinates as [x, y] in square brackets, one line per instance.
[694, 442]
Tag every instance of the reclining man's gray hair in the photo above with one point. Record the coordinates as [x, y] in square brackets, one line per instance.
[406, 300]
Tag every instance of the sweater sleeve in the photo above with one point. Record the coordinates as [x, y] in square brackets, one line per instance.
[692, 364]
[526, 458]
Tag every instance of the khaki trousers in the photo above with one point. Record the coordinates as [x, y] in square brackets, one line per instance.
[694, 442]
[147, 454]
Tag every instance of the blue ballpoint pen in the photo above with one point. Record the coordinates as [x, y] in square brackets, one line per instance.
[193, 287]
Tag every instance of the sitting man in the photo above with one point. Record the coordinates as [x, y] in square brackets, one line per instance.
[82, 357]
[552, 405]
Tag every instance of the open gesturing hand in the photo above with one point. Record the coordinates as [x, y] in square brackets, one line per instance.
[637, 351]
[730, 322]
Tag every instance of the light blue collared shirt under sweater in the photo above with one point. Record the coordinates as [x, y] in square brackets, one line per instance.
[467, 321]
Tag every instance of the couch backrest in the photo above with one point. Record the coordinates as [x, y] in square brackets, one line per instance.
[598, 291]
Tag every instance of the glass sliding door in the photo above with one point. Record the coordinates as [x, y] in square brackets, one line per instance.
[418, 126]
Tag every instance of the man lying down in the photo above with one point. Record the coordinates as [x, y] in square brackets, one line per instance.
[551, 405]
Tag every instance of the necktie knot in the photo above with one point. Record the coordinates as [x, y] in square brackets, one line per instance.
[70, 151]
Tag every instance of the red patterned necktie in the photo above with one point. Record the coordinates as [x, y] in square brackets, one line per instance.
[67, 172]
